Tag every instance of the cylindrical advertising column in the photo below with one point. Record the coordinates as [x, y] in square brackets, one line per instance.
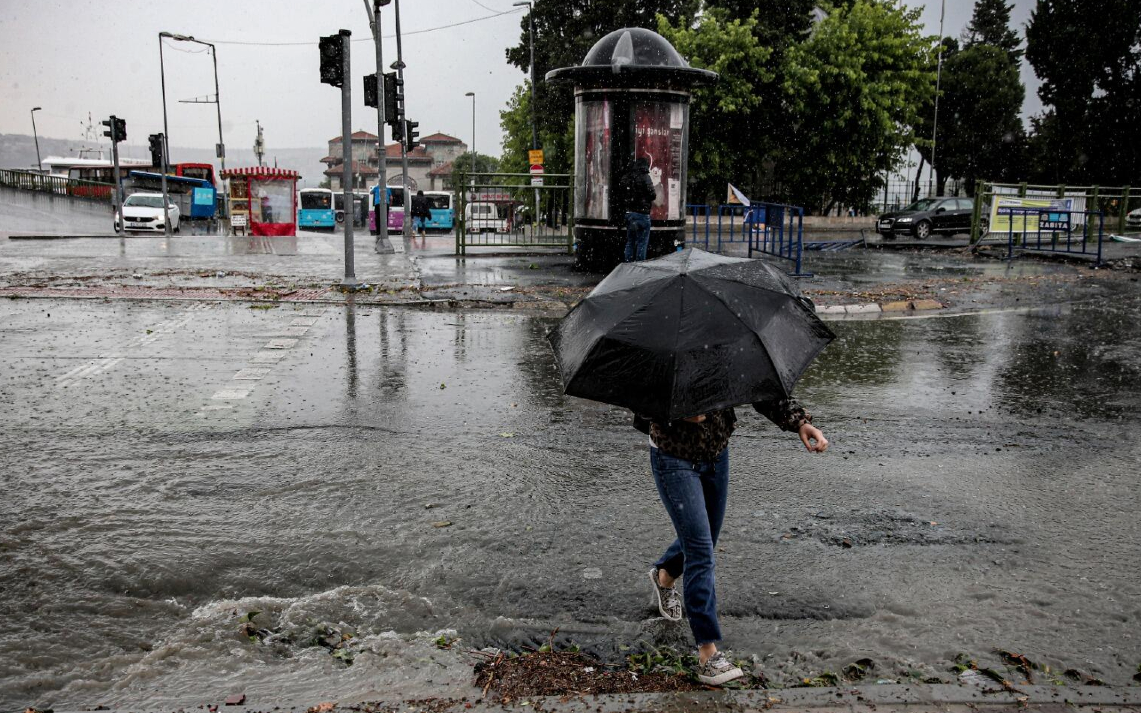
[632, 96]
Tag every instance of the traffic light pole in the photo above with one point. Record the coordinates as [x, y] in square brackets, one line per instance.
[347, 160]
[121, 226]
[165, 133]
[404, 143]
[383, 244]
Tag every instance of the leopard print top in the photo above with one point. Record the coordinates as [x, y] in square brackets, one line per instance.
[704, 441]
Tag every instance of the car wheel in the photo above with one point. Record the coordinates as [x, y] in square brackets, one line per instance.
[177, 227]
[984, 227]
[923, 229]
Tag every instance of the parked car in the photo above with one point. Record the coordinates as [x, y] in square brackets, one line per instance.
[946, 215]
[1133, 218]
[143, 212]
[482, 217]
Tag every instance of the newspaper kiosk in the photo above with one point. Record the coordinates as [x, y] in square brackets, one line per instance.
[262, 200]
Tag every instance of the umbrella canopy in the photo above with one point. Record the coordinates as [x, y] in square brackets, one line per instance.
[686, 334]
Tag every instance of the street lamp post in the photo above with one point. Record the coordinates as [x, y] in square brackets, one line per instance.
[399, 66]
[534, 128]
[220, 149]
[472, 95]
[36, 136]
[165, 137]
[938, 78]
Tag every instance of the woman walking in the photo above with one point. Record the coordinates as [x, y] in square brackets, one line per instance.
[690, 462]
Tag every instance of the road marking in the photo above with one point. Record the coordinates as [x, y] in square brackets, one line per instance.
[280, 344]
[252, 373]
[303, 322]
[108, 360]
[267, 357]
[230, 394]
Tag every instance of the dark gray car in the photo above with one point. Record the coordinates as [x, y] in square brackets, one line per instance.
[944, 215]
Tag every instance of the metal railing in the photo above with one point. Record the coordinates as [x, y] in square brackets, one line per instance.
[508, 210]
[774, 229]
[55, 185]
[1058, 228]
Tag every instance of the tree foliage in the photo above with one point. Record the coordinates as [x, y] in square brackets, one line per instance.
[1088, 55]
[990, 25]
[855, 87]
[723, 139]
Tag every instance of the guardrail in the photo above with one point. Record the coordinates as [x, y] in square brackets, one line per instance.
[774, 229]
[511, 210]
[55, 185]
[1055, 224]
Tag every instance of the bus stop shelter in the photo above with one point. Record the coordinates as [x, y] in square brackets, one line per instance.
[263, 200]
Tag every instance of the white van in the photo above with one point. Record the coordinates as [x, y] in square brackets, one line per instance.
[482, 217]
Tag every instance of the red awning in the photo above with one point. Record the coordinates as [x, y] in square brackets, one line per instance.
[264, 173]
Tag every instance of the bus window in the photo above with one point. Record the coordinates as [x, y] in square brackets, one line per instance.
[315, 201]
[439, 202]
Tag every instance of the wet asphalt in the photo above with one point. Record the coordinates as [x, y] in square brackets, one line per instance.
[169, 467]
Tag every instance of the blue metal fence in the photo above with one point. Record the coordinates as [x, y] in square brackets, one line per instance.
[772, 229]
[1052, 230]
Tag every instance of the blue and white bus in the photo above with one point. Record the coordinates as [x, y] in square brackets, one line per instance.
[441, 204]
[315, 209]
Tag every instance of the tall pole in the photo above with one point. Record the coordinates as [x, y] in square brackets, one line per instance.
[165, 134]
[382, 241]
[403, 144]
[36, 136]
[218, 105]
[347, 158]
[121, 227]
[534, 129]
[938, 78]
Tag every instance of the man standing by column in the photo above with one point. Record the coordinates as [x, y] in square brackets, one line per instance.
[639, 194]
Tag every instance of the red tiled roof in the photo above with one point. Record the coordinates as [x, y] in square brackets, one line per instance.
[438, 138]
[418, 154]
[356, 135]
[444, 169]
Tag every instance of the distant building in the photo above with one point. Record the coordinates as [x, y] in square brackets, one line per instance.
[429, 165]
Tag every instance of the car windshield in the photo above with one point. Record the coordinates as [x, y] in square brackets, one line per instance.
[141, 201]
[923, 204]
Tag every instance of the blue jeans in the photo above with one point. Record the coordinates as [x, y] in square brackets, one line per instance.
[637, 236]
[418, 224]
[694, 494]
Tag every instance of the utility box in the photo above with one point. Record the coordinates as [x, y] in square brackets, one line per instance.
[632, 94]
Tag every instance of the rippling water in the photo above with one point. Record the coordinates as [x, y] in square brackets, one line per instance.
[980, 493]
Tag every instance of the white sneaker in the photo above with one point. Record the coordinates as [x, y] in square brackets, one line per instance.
[667, 598]
[717, 671]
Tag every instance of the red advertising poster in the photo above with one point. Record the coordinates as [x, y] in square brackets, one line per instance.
[658, 137]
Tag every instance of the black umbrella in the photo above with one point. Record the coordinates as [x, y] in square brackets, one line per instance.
[686, 334]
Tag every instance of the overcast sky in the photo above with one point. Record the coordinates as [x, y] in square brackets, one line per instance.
[102, 57]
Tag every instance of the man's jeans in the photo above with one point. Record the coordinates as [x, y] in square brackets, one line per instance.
[694, 494]
[637, 236]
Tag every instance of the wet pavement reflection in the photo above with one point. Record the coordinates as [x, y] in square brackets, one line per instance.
[400, 471]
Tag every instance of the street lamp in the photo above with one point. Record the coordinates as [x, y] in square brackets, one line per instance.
[534, 129]
[36, 136]
[472, 95]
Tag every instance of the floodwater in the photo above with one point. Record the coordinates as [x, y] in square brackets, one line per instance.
[980, 493]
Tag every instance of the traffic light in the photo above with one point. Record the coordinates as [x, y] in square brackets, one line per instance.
[332, 60]
[116, 129]
[370, 90]
[411, 134]
[398, 132]
[156, 149]
[392, 97]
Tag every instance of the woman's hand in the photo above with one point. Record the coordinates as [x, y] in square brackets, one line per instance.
[695, 419]
[810, 433]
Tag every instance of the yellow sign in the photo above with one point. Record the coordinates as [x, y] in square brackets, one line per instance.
[1025, 212]
[535, 156]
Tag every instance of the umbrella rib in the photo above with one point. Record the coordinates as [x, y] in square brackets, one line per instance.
[748, 328]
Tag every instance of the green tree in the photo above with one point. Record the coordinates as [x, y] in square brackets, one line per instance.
[990, 25]
[1088, 55]
[483, 163]
[564, 32]
[980, 126]
[855, 87]
[724, 144]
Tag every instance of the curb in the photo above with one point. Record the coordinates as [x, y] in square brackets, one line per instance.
[880, 307]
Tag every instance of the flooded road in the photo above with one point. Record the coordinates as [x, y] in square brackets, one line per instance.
[169, 468]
